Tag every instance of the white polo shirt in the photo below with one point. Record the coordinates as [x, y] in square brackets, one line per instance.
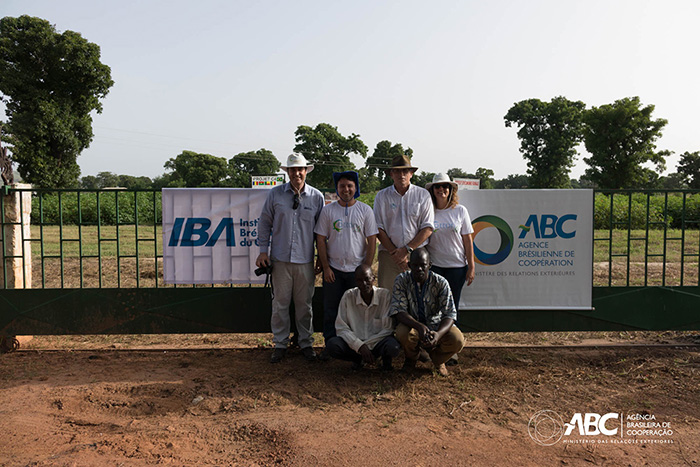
[402, 217]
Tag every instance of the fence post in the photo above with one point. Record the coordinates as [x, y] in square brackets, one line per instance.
[17, 251]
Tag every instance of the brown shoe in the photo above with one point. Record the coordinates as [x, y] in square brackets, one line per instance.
[442, 369]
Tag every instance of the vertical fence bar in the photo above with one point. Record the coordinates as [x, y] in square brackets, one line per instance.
[80, 240]
[21, 229]
[117, 222]
[610, 240]
[646, 243]
[155, 237]
[41, 240]
[136, 234]
[60, 235]
[629, 235]
[683, 237]
[99, 240]
[4, 240]
[663, 267]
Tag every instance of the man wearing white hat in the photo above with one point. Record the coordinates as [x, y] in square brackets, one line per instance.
[288, 216]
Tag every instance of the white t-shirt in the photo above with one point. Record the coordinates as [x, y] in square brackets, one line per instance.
[402, 217]
[347, 230]
[445, 245]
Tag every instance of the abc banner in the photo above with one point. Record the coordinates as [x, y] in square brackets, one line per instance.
[533, 249]
[210, 235]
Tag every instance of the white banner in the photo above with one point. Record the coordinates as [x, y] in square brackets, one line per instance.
[534, 249]
[210, 235]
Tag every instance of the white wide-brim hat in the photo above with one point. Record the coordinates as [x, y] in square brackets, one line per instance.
[297, 160]
[439, 179]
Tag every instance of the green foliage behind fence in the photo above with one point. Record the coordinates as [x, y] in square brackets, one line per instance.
[662, 208]
[630, 209]
[73, 208]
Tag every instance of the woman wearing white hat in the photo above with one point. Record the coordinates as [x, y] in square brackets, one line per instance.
[451, 245]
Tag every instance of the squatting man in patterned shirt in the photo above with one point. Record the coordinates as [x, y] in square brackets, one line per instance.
[422, 304]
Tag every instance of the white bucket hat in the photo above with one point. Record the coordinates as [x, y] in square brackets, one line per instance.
[439, 179]
[297, 160]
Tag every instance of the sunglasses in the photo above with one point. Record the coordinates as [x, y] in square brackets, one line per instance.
[296, 201]
[446, 186]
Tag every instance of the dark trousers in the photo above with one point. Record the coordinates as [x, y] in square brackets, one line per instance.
[387, 348]
[332, 293]
[456, 277]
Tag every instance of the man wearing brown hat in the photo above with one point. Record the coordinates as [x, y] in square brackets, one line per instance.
[404, 215]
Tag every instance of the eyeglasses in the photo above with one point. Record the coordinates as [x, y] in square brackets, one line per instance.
[444, 187]
[296, 201]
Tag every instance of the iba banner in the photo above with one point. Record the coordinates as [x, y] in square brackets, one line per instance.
[210, 235]
[533, 249]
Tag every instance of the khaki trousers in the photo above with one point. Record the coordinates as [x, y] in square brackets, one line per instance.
[387, 270]
[450, 344]
[292, 281]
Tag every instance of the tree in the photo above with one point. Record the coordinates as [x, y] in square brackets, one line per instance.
[243, 165]
[109, 179]
[549, 133]
[621, 138]
[513, 182]
[131, 182]
[485, 176]
[50, 83]
[674, 181]
[328, 150]
[380, 160]
[191, 169]
[422, 178]
[689, 169]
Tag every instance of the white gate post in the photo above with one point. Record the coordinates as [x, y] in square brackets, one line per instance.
[17, 258]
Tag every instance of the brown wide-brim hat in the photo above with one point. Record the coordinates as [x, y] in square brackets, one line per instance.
[400, 162]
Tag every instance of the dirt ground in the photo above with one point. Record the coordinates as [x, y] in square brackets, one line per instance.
[216, 400]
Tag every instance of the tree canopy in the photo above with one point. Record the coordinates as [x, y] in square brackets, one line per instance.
[621, 138]
[50, 83]
[245, 164]
[192, 169]
[380, 160]
[689, 169]
[549, 133]
[328, 150]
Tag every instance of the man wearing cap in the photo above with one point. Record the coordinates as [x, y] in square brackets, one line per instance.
[346, 237]
[287, 221]
[404, 214]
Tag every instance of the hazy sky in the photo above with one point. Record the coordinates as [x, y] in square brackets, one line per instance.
[224, 77]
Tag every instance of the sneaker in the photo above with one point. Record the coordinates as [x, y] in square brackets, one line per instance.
[309, 354]
[277, 355]
[454, 360]
[324, 356]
